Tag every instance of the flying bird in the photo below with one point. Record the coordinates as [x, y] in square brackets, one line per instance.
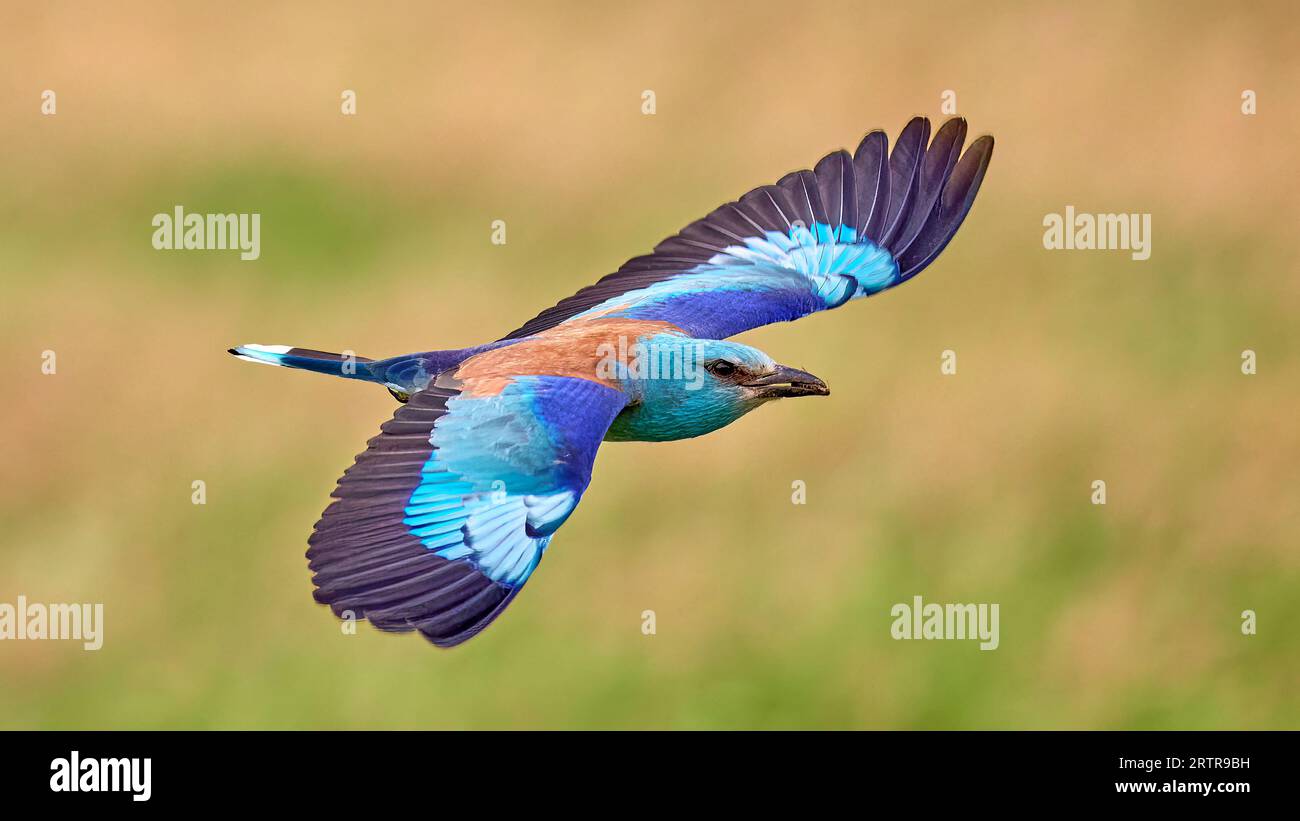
[446, 514]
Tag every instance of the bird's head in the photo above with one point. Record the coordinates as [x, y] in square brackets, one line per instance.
[684, 387]
[746, 376]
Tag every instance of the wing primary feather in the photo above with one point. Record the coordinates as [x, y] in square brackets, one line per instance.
[953, 206]
[871, 166]
[904, 172]
[935, 167]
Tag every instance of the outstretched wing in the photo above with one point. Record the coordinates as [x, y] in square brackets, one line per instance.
[851, 227]
[445, 515]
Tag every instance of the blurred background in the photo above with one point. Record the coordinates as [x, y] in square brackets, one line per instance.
[375, 237]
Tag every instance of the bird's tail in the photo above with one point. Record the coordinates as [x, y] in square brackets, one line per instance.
[347, 365]
[403, 375]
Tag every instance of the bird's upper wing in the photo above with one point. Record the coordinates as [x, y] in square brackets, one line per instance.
[851, 227]
[441, 520]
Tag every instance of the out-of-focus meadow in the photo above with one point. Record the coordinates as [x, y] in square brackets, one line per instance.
[375, 234]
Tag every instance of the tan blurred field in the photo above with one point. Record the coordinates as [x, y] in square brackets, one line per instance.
[1073, 366]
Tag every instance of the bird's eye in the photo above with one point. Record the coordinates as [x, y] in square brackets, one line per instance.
[722, 368]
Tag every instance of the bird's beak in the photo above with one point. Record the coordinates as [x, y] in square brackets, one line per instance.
[785, 382]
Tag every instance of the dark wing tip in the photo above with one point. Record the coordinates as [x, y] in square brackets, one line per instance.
[936, 166]
[954, 203]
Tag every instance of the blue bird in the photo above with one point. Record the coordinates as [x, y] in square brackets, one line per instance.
[443, 518]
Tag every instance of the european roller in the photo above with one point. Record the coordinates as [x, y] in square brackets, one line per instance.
[445, 516]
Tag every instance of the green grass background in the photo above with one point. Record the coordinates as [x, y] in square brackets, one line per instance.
[375, 237]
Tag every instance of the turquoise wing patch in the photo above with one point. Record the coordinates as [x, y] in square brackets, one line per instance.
[446, 514]
[506, 471]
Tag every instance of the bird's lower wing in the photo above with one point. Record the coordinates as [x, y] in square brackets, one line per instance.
[851, 227]
[445, 515]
